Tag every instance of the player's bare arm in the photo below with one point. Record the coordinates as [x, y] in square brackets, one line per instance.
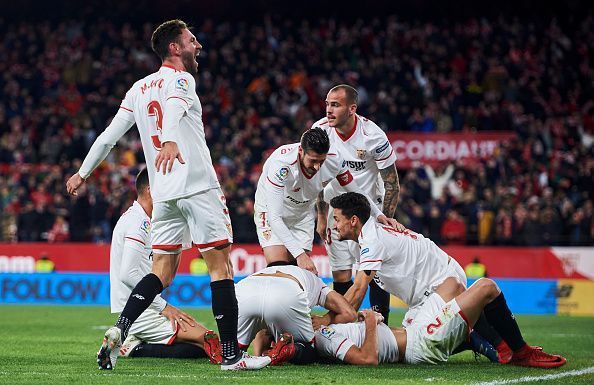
[367, 354]
[340, 310]
[175, 315]
[356, 293]
[304, 261]
[392, 194]
[322, 208]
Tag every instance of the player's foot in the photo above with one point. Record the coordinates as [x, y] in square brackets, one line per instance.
[129, 345]
[528, 356]
[483, 347]
[212, 347]
[283, 351]
[110, 348]
[246, 362]
[504, 352]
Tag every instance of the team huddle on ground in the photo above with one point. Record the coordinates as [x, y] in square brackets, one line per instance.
[339, 180]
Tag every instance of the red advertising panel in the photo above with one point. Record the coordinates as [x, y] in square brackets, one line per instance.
[508, 262]
[432, 149]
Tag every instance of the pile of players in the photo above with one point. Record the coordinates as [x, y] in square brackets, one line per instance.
[344, 159]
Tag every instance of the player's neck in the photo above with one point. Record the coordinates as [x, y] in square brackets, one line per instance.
[348, 127]
[175, 63]
[147, 205]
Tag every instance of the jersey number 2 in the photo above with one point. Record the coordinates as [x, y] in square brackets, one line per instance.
[432, 327]
[154, 109]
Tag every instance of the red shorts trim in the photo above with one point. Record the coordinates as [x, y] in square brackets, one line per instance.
[464, 318]
[211, 244]
[174, 336]
[242, 346]
[167, 247]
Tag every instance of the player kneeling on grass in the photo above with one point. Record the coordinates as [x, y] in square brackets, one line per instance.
[442, 324]
[161, 330]
[278, 300]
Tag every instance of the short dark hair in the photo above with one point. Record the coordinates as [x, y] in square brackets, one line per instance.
[142, 181]
[315, 140]
[352, 95]
[352, 203]
[166, 33]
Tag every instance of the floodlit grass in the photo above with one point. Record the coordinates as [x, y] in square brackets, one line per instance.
[57, 345]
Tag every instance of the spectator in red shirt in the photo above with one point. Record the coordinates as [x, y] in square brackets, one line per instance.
[453, 229]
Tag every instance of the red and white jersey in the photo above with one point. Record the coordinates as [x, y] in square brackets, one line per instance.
[334, 341]
[130, 257]
[165, 107]
[406, 263]
[365, 151]
[282, 174]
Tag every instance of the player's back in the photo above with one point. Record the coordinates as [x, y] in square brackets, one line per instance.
[147, 99]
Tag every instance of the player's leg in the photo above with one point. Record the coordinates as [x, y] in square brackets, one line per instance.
[379, 299]
[208, 219]
[274, 251]
[342, 281]
[342, 255]
[277, 255]
[485, 294]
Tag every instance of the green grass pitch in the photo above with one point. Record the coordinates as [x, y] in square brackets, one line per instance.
[57, 345]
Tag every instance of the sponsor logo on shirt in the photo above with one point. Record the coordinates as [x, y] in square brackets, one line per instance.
[382, 148]
[327, 332]
[182, 84]
[345, 178]
[297, 202]
[282, 174]
[361, 153]
[146, 226]
[365, 251]
[355, 166]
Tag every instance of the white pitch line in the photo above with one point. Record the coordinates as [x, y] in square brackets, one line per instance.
[571, 373]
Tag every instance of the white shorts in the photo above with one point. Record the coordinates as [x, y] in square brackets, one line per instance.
[302, 229]
[453, 270]
[153, 328]
[275, 303]
[437, 330]
[204, 215]
[343, 254]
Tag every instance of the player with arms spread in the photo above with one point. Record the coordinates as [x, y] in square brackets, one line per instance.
[186, 194]
[370, 158]
[292, 178]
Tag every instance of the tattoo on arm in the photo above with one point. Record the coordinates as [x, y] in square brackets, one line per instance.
[321, 205]
[392, 186]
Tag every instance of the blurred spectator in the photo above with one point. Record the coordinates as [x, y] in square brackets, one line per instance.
[475, 269]
[44, 265]
[453, 229]
[59, 231]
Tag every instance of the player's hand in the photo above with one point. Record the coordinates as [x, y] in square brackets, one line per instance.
[318, 321]
[74, 183]
[370, 314]
[305, 262]
[391, 222]
[175, 315]
[322, 227]
[167, 156]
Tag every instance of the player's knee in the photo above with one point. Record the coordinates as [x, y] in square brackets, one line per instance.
[488, 288]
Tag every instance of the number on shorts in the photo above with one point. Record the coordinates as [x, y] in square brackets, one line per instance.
[263, 218]
[432, 327]
[154, 109]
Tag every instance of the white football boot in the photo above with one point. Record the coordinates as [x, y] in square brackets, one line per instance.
[110, 349]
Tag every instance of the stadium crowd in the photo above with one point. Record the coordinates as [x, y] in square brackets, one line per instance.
[262, 83]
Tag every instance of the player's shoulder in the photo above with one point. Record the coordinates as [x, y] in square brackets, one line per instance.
[370, 232]
[135, 220]
[370, 130]
[286, 153]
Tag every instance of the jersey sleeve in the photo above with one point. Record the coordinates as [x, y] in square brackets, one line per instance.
[316, 289]
[331, 343]
[371, 254]
[382, 152]
[180, 96]
[183, 88]
[127, 107]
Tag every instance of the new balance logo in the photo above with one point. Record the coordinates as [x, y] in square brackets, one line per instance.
[138, 296]
[218, 317]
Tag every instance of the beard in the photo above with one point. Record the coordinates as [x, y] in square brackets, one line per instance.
[189, 62]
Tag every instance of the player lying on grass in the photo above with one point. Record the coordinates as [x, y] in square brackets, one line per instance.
[161, 330]
[441, 324]
[403, 263]
[279, 300]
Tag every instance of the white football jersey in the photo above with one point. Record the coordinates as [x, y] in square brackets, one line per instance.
[282, 171]
[147, 102]
[406, 263]
[130, 257]
[313, 286]
[365, 151]
[334, 341]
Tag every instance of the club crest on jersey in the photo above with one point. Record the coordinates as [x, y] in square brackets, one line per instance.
[182, 84]
[282, 174]
[267, 234]
[327, 331]
[361, 153]
[229, 228]
[146, 226]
